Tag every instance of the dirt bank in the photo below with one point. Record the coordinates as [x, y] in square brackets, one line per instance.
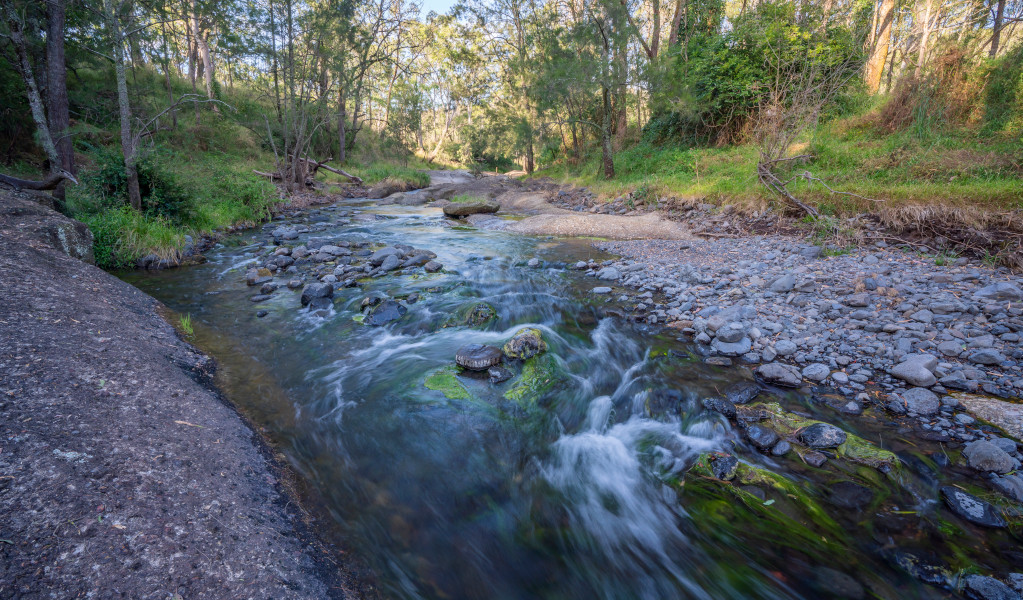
[121, 473]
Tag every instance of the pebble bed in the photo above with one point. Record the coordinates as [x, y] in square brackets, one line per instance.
[882, 326]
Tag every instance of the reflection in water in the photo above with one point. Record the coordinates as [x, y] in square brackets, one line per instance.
[484, 498]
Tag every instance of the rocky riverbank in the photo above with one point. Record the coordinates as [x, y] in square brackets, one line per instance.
[122, 473]
[878, 328]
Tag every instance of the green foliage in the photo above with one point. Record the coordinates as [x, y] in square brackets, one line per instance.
[1003, 95]
[708, 89]
[162, 194]
[122, 235]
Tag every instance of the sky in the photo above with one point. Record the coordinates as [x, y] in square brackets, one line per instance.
[438, 6]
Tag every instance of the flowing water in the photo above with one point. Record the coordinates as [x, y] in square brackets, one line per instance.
[579, 495]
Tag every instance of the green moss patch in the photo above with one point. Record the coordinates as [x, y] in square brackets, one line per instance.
[540, 375]
[445, 380]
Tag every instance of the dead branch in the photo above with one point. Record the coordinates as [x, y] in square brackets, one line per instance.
[49, 183]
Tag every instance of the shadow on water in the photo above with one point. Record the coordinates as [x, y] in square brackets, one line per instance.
[581, 492]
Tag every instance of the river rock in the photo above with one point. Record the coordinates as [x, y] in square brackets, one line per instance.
[822, 435]
[316, 290]
[499, 374]
[385, 312]
[780, 374]
[731, 333]
[1010, 485]
[601, 290]
[982, 455]
[987, 356]
[525, 344]
[258, 276]
[785, 347]
[785, 283]
[609, 274]
[478, 357]
[981, 587]
[916, 400]
[736, 349]
[720, 405]
[390, 263]
[847, 494]
[816, 372]
[471, 207]
[972, 508]
[432, 266]
[999, 292]
[377, 258]
[742, 393]
[761, 437]
[916, 369]
[723, 466]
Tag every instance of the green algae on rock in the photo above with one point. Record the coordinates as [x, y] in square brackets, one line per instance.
[477, 314]
[525, 344]
[539, 375]
[788, 425]
[445, 381]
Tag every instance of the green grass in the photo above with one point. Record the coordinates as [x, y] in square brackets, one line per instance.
[379, 171]
[958, 170]
[463, 198]
[185, 321]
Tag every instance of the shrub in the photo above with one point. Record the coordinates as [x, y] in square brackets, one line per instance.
[1003, 95]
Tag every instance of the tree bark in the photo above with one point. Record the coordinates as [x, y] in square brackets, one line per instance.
[207, 66]
[676, 24]
[881, 34]
[341, 123]
[56, 89]
[607, 153]
[124, 107]
[925, 34]
[996, 29]
[35, 100]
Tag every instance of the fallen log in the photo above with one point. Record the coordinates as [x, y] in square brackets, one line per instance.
[309, 167]
[50, 183]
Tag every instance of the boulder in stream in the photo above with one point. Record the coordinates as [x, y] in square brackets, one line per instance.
[478, 357]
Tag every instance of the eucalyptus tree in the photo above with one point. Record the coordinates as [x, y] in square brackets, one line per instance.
[25, 25]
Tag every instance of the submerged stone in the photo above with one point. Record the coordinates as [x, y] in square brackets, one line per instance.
[972, 508]
[385, 312]
[479, 314]
[539, 375]
[445, 381]
[822, 435]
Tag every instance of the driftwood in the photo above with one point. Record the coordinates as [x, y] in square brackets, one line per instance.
[307, 171]
[50, 183]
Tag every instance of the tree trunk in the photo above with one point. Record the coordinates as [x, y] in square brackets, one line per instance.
[207, 66]
[124, 108]
[341, 119]
[167, 77]
[607, 154]
[881, 34]
[996, 29]
[56, 91]
[925, 34]
[676, 24]
[35, 100]
[655, 35]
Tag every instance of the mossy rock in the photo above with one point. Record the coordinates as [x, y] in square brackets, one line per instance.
[445, 380]
[788, 425]
[525, 344]
[478, 314]
[789, 516]
[540, 375]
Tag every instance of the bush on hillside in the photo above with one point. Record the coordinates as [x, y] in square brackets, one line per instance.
[711, 87]
[1003, 95]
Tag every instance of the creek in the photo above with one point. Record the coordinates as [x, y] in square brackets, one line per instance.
[579, 491]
